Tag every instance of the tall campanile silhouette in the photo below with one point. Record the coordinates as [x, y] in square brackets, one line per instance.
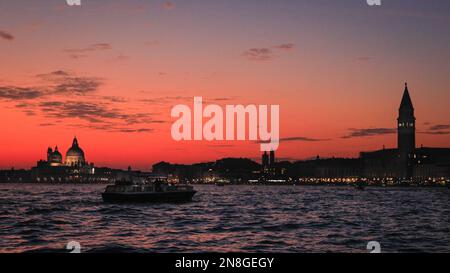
[406, 135]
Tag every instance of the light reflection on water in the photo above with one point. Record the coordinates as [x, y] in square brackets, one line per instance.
[227, 219]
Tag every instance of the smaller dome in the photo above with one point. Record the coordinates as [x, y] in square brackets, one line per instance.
[55, 156]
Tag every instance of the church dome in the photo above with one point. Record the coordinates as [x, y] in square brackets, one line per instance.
[75, 155]
[75, 151]
[56, 156]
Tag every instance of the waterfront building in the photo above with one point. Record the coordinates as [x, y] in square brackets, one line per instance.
[265, 162]
[407, 161]
[272, 158]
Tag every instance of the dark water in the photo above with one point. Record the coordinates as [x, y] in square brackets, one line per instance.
[224, 219]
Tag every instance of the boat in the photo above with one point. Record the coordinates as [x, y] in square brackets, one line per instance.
[158, 191]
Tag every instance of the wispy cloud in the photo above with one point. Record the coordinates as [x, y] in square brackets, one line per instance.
[96, 115]
[171, 100]
[218, 100]
[19, 93]
[287, 47]
[295, 139]
[90, 48]
[77, 53]
[369, 132]
[67, 83]
[94, 112]
[58, 82]
[114, 99]
[7, 36]
[266, 53]
[167, 100]
[258, 54]
[439, 129]
[437, 133]
[67, 99]
[301, 138]
[112, 128]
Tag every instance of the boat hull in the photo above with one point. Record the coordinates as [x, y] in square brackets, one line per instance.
[149, 197]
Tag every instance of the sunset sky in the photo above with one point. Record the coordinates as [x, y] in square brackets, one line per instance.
[109, 72]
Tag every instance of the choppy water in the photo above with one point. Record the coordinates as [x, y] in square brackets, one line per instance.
[227, 219]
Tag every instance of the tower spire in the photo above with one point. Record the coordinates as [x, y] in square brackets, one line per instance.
[75, 142]
[406, 100]
[406, 134]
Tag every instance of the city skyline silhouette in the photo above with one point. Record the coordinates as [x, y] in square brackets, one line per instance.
[112, 82]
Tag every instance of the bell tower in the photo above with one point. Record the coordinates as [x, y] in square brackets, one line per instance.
[406, 135]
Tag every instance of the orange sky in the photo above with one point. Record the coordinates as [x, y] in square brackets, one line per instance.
[109, 73]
